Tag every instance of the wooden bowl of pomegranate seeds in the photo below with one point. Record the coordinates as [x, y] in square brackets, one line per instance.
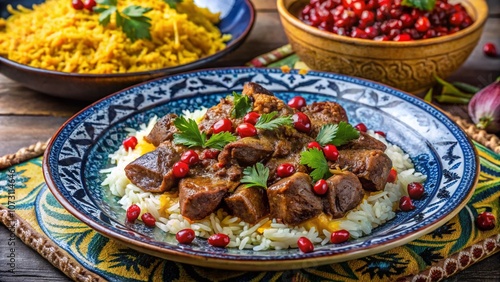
[383, 40]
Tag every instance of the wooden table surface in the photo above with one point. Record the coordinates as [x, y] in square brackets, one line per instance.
[27, 117]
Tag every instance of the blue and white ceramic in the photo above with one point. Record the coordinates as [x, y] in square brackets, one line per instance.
[437, 146]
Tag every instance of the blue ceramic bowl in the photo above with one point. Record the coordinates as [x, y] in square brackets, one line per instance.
[237, 18]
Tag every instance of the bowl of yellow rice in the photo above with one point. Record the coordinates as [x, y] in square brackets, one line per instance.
[54, 48]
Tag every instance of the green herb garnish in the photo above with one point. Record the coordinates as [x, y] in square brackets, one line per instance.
[336, 134]
[172, 3]
[131, 19]
[316, 160]
[255, 176]
[241, 105]
[426, 5]
[191, 136]
[268, 122]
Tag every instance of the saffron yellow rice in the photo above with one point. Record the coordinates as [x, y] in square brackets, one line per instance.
[54, 36]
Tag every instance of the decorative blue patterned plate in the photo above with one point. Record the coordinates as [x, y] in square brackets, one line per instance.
[437, 146]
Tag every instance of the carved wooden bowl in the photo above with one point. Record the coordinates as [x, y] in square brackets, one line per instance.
[409, 65]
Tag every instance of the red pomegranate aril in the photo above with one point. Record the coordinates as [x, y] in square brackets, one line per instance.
[415, 190]
[180, 169]
[485, 221]
[467, 22]
[457, 18]
[251, 117]
[185, 236]
[130, 143]
[133, 212]
[190, 157]
[361, 127]
[314, 144]
[381, 133]
[246, 130]
[371, 32]
[223, 125]
[393, 175]
[331, 153]
[394, 32]
[367, 17]
[77, 4]
[358, 7]
[148, 219]
[422, 24]
[89, 5]
[381, 38]
[383, 2]
[339, 236]
[285, 170]
[320, 187]
[210, 154]
[305, 245]
[490, 50]
[406, 20]
[405, 204]
[301, 122]
[297, 102]
[358, 33]
[218, 240]
[396, 12]
[402, 37]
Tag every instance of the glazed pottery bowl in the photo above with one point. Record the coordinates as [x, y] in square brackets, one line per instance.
[409, 65]
[237, 18]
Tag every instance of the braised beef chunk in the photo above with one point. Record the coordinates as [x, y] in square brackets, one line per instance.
[163, 130]
[364, 141]
[371, 167]
[292, 199]
[249, 204]
[152, 172]
[251, 88]
[201, 195]
[216, 113]
[344, 193]
[246, 151]
[322, 113]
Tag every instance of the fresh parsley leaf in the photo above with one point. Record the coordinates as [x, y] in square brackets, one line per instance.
[172, 3]
[268, 122]
[316, 160]
[219, 140]
[189, 133]
[426, 5]
[255, 176]
[241, 105]
[336, 134]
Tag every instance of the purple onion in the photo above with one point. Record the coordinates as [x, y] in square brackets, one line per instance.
[484, 108]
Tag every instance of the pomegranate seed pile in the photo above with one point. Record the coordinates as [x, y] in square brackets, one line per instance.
[385, 20]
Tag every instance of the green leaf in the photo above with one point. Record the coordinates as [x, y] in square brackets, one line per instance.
[426, 5]
[428, 96]
[189, 133]
[172, 3]
[219, 140]
[255, 176]
[105, 15]
[136, 11]
[268, 122]
[316, 160]
[336, 134]
[241, 105]
[326, 134]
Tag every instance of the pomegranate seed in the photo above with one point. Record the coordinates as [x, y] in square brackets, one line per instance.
[485, 221]
[89, 5]
[358, 33]
[285, 170]
[301, 122]
[367, 17]
[415, 190]
[358, 7]
[77, 4]
[314, 144]
[422, 24]
[180, 169]
[457, 18]
[223, 125]
[490, 50]
[331, 152]
[190, 157]
[340, 236]
[405, 204]
[148, 219]
[185, 236]
[246, 130]
[402, 37]
[393, 175]
[251, 117]
[361, 127]
[133, 212]
[129, 143]
[406, 20]
[371, 32]
[320, 187]
[210, 154]
[305, 245]
[381, 133]
[219, 240]
[297, 102]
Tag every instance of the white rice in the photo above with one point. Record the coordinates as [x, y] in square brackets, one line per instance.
[374, 210]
